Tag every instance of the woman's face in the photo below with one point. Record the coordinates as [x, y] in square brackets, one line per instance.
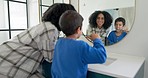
[119, 26]
[100, 20]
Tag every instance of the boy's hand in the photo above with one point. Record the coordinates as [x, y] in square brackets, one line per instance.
[93, 36]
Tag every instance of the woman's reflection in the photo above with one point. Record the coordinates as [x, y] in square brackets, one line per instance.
[99, 22]
[119, 33]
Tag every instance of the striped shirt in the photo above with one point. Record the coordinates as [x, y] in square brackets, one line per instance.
[21, 56]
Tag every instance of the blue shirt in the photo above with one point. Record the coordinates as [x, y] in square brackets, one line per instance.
[71, 57]
[113, 38]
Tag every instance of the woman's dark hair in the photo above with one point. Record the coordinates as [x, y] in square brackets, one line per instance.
[70, 21]
[120, 19]
[107, 17]
[53, 13]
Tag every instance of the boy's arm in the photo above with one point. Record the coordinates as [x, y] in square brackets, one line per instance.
[110, 38]
[95, 54]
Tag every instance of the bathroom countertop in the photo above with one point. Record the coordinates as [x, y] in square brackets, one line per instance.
[118, 65]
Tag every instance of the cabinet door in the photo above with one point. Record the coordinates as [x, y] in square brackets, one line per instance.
[97, 75]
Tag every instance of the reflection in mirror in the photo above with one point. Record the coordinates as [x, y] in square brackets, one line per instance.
[99, 23]
[119, 33]
[118, 8]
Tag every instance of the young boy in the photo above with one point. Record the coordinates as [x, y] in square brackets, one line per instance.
[72, 56]
[119, 33]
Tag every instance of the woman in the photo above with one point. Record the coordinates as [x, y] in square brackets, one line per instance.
[22, 56]
[99, 22]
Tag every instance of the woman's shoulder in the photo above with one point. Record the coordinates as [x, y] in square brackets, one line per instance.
[89, 27]
[46, 26]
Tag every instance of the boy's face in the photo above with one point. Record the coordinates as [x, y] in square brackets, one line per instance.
[119, 26]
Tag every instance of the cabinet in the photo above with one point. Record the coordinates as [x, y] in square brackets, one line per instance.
[118, 66]
[97, 75]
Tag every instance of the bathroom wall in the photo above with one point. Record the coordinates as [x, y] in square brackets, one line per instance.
[136, 42]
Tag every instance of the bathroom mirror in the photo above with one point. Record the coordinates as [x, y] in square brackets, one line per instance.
[116, 8]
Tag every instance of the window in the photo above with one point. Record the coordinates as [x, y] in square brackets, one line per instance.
[45, 4]
[15, 18]
[18, 15]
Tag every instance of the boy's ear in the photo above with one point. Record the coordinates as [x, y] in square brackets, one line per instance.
[78, 30]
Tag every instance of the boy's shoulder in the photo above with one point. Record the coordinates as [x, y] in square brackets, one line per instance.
[82, 43]
[112, 32]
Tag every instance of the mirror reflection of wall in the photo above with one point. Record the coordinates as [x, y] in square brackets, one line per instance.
[117, 8]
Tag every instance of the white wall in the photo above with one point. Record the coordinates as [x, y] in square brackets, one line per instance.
[75, 4]
[136, 42]
[109, 4]
[33, 12]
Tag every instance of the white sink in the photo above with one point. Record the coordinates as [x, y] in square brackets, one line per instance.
[109, 61]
